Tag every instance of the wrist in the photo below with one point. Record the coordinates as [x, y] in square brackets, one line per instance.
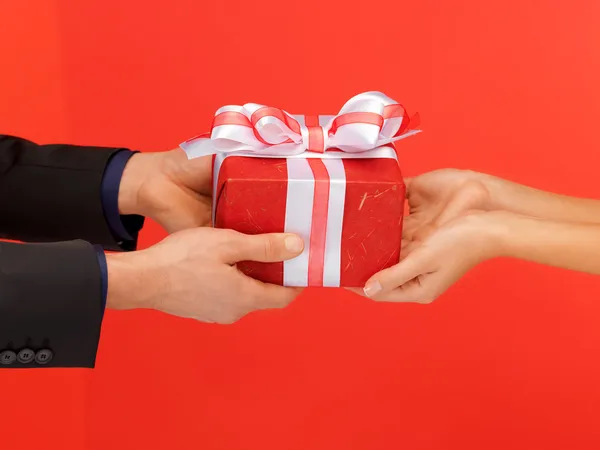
[499, 227]
[490, 189]
[128, 281]
[138, 170]
[488, 233]
[505, 195]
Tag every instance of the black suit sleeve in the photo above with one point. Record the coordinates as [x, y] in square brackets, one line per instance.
[50, 305]
[51, 294]
[52, 193]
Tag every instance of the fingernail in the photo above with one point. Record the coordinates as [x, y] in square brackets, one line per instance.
[294, 244]
[372, 288]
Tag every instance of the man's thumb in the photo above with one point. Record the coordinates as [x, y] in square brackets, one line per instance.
[271, 247]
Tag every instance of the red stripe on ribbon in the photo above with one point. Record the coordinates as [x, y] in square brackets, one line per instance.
[311, 121]
[265, 111]
[393, 111]
[356, 117]
[318, 232]
[397, 110]
[409, 124]
[231, 118]
[389, 112]
[291, 123]
[316, 142]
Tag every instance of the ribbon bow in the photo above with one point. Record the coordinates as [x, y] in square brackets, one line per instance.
[367, 121]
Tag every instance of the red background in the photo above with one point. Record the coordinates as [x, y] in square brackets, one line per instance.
[507, 359]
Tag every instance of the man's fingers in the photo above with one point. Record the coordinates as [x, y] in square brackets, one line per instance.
[198, 215]
[271, 247]
[417, 263]
[196, 173]
[267, 296]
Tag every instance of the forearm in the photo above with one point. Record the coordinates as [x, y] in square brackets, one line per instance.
[569, 245]
[58, 193]
[509, 196]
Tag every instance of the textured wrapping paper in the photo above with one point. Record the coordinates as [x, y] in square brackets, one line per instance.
[333, 180]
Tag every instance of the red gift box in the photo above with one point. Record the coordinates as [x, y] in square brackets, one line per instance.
[348, 211]
[333, 180]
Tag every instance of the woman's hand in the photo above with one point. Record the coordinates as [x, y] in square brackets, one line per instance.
[459, 218]
[430, 266]
[438, 197]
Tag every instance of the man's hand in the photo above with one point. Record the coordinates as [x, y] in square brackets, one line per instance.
[168, 188]
[192, 274]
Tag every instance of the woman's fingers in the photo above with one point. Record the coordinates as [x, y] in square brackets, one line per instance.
[417, 263]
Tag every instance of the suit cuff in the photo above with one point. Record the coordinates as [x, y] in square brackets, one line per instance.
[51, 304]
[124, 228]
[103, 274]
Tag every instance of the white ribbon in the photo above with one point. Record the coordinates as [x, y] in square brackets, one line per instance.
[270, 136]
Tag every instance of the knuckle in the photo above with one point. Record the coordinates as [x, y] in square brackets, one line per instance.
[225, 249]
[472, 191]
[268, 247]
[227, 236]
[227, 243]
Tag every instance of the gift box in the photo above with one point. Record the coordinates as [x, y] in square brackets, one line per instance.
[333, 180]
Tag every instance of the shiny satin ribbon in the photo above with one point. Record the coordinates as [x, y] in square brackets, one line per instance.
[367, 121]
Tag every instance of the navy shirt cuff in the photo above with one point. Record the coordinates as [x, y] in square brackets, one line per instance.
[110, 194]
[103, 274]
[123, 228]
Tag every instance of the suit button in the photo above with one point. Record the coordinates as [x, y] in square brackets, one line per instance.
[25, 356]
[7, 357]
[43, 356]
